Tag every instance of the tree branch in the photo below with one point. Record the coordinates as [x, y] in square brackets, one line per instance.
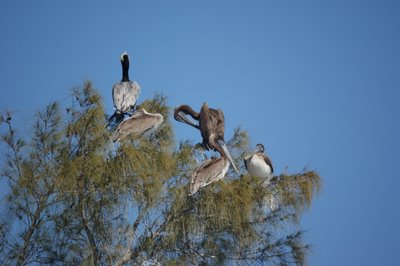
[89, 233]
[128, 254]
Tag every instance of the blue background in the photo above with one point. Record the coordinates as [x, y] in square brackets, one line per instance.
[317, 82]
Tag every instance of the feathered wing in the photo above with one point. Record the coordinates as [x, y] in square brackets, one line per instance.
[117, 96]
[204, 127]
[219, 123]
[140, 123]
[213, 124]
[125, 95]
[209, 172]
[245, 162]
[268, 161]
[134, 93]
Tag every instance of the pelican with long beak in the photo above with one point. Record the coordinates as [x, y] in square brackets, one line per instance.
[209, 172]
[124, 93]
[211, 123]
[258, 164]
[139, 124]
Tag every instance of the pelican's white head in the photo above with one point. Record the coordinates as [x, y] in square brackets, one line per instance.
[124, 55]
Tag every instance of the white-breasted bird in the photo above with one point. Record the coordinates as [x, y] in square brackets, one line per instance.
[124, 93]
[258, 164]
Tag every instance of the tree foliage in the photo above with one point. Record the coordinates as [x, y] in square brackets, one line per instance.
[76, 198]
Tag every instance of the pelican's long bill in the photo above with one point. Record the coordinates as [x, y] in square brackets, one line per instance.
[228, 155]
[181, 117]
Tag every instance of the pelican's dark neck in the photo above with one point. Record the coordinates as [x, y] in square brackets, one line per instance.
[125, 72]
[188, 110]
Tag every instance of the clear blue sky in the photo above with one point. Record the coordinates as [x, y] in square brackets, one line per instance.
[318, 82]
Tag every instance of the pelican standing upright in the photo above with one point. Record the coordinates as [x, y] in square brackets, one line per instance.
[259, 164]
[124, 93]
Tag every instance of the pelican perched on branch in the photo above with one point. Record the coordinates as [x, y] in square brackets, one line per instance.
[139, 124]
[259, 164]
[211, 123]
[125, 92]
[209, 172]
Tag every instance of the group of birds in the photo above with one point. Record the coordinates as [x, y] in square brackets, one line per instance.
[210, 122]
[125, 94]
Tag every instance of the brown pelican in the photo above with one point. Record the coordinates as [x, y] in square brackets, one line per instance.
[139, 124]
[258, 164]
[209, 172]
[211, 126]
[125, 92]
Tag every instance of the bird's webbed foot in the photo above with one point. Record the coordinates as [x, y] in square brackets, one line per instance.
[119, 118]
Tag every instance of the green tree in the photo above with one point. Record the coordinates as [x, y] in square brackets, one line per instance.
[76, 198]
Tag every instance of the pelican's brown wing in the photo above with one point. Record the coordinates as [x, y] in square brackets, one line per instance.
[220, 122]
[209, 172]
[137, 125]
[268, 161]
[206, 126]
[211, 124]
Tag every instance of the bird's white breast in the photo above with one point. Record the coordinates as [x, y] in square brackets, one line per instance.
[256, 166]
